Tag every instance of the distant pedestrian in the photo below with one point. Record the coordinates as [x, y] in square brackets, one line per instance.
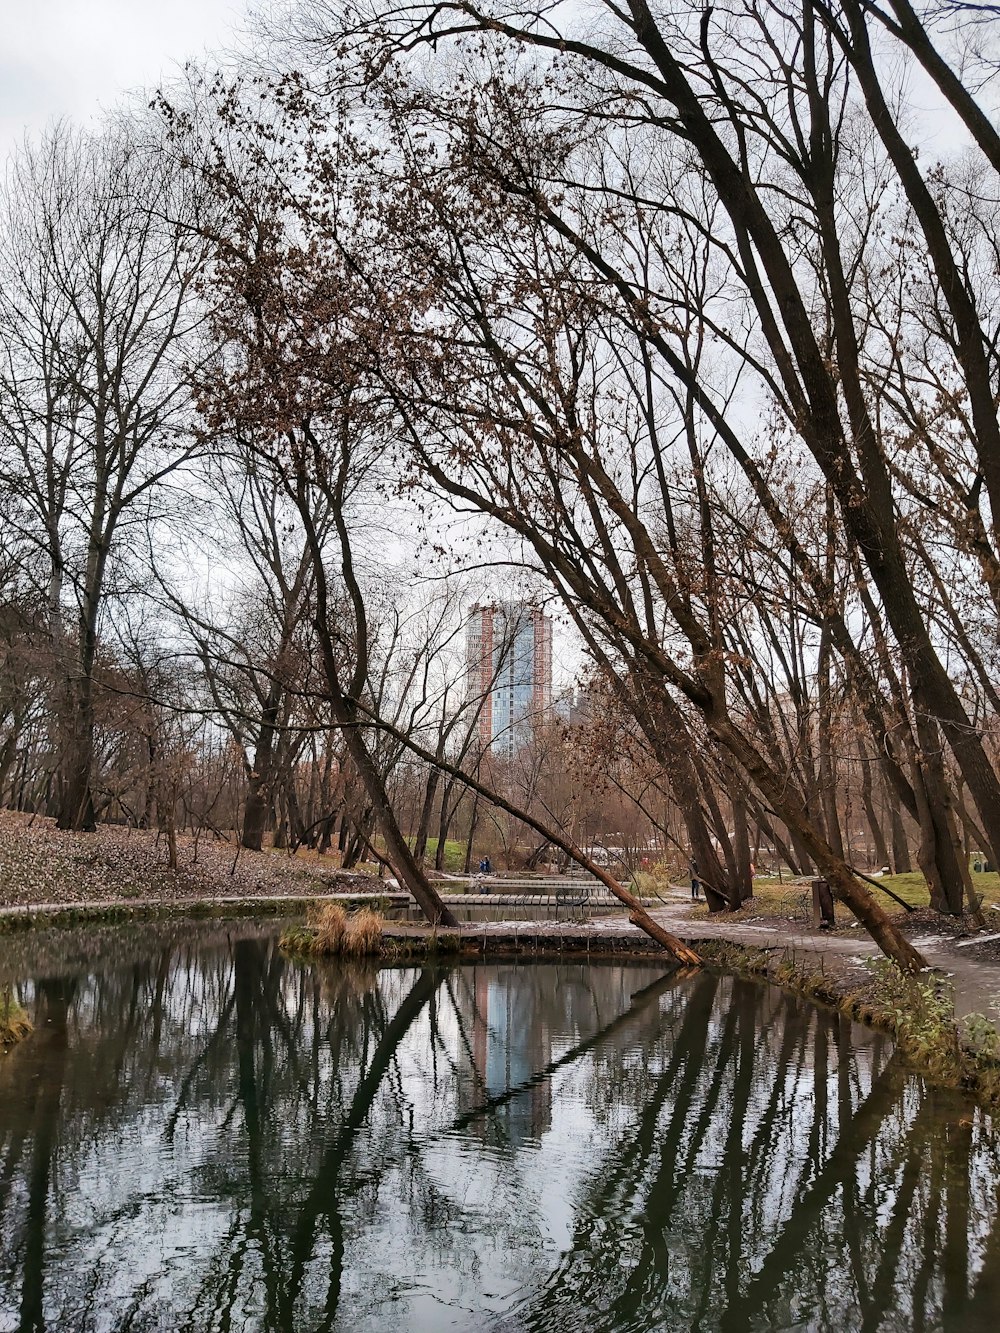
[695, 882]
[483, 863]
[487, 866]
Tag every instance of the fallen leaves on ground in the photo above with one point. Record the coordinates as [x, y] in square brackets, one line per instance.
[41, 864]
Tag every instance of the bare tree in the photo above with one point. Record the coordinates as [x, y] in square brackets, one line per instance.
[96, 304]
[760, 134]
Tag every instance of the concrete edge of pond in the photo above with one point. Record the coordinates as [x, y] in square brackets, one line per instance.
[28, 916]
[832, 971]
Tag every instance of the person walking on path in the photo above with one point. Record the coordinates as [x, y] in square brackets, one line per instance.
[695, 884]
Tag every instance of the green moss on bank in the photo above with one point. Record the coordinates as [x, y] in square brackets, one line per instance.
[918, 1012]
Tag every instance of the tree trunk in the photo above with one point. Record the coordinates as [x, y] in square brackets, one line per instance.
[827, 763]
[257, 811]
[937, 854]
[741, 845]
[424, 823]
[782, 798]
[725, 888]
[447, 814]
[473, 821]
[76, 802]
[901, 861]
[398, 853]
[867, 799]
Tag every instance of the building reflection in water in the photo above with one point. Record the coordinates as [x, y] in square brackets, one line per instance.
[511, 1041]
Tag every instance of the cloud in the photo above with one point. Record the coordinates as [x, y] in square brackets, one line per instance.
[73, 57]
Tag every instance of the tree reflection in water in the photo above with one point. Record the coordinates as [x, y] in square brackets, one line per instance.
[201, 1135]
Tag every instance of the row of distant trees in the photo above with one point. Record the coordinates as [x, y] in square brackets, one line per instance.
[667, 310]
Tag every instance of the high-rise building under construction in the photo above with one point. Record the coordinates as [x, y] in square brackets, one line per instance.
[510, 670]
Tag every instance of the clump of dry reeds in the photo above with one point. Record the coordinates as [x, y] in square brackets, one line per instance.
[332, 931]
[329, 927]
[363, 935]
[14, 1022]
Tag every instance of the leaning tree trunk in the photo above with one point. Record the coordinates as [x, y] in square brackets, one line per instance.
[673, 744]
[938, 855]
[736, 848]
[344, 705]
[637, 913]
[397, 850]
[685, 786]
[788, 806]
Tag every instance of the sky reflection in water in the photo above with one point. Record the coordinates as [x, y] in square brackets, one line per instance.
[201, 1135]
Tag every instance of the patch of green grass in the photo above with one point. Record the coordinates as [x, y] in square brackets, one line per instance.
[454, 855]
[772, 897]
[912, 887]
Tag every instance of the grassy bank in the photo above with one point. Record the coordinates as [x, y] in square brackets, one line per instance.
[912, 888]
[918, 1012]
[789, 901]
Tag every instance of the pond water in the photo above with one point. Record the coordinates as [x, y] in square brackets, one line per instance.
[201, 1135]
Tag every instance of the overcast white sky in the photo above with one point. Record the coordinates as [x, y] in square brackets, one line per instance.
[70, 57]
